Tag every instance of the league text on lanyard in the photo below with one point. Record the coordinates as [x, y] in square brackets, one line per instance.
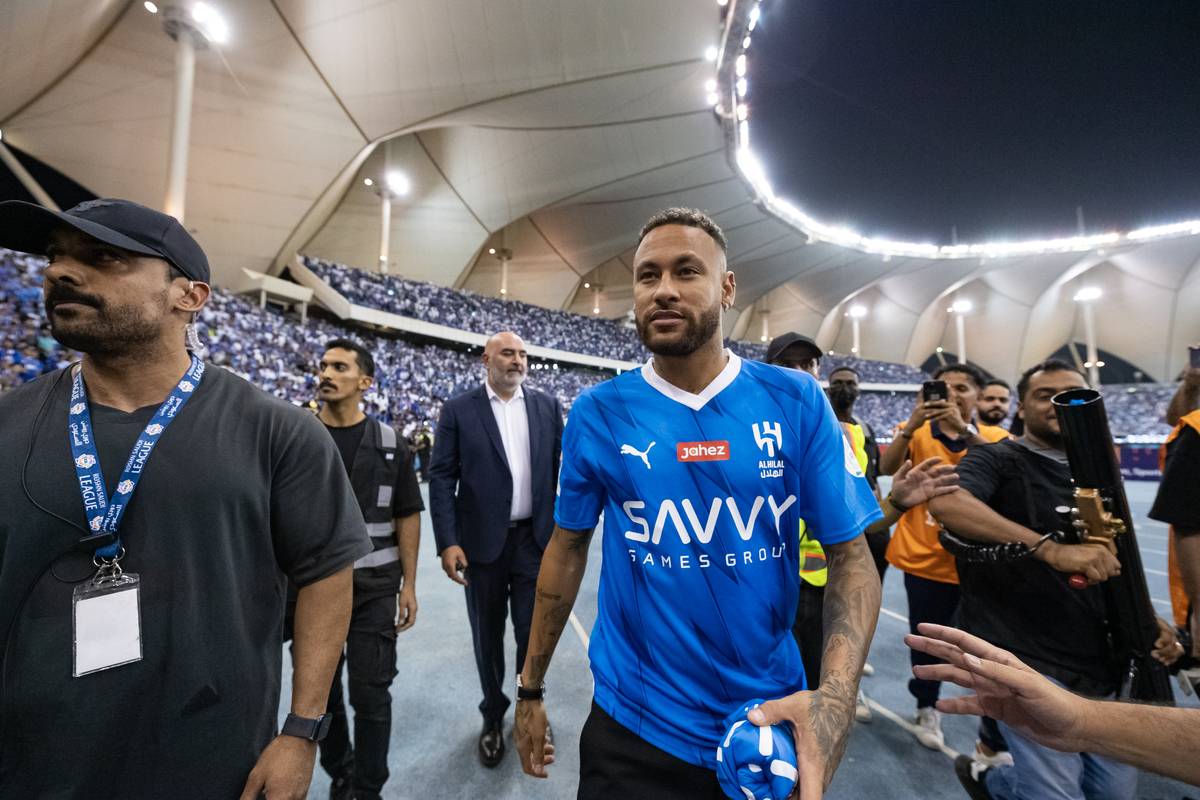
[104, 514]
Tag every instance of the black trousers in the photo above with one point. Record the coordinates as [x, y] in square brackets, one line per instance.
[809, 631]
[614, 762]
[928, 601]
[370, 663]
[492, 589]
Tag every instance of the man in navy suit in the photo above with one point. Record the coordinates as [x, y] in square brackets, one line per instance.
[492, 486]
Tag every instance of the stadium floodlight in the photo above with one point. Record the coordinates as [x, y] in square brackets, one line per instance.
[746, 43]
[722, 3]
[491, 251]
[711, 54]
[368, 182]
[940, 349]
[962, 307]
[742, 111]
[1, 136]
[742, 86]
[755, 13]
[739, 66]
[858, 312]
[710, 85]
[153, 9]
[1087, 294]
[713, 98]
[210, 23]
[587, 285]
[398, 183]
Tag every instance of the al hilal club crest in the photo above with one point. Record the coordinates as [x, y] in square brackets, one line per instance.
[154, 429]
[86, 461]
[124, 487]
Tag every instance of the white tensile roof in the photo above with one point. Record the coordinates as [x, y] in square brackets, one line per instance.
[551, 127]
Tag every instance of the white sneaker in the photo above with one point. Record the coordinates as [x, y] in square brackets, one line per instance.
[862, 711]
[1001, 758]
[929, 728]
[868, 670]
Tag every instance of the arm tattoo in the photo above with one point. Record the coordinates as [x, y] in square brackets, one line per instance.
[852, 599]
[558, 582]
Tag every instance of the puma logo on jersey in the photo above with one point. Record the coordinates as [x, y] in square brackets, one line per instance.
[630, 450]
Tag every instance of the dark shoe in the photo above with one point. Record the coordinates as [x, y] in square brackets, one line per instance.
[342, 787]
[491, 745]
[973, 777]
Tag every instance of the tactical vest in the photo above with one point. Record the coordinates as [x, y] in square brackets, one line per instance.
[813, 564]
[373, 476]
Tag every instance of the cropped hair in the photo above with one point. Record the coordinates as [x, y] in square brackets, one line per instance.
[366, 362]
[970, 370]
[691, 217]
[997, 382]
[1049, 365]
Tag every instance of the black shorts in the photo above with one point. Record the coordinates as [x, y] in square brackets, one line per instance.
[614, 762]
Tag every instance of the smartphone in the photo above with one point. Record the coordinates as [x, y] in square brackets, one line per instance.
[1194, 356]
[934, 390]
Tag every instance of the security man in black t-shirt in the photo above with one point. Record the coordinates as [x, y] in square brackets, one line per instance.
[1010, 492]
[385, 601]
[166, 685]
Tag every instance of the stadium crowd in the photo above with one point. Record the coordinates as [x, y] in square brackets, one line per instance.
[469, 311]
[278, 353]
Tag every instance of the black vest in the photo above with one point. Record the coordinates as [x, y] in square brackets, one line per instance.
[373, 476]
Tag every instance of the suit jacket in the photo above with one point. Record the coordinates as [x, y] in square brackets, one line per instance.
[470, 486]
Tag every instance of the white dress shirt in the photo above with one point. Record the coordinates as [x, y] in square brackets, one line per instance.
[513, 421]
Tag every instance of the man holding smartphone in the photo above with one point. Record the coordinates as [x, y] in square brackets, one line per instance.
[942, 425]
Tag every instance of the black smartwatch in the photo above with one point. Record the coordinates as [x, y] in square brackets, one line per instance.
[530, 694]
[313, 730]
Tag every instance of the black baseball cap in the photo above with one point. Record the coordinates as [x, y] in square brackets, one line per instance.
[784, 341]
[121, 223]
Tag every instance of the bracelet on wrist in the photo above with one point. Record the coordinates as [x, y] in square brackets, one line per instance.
[891, 498]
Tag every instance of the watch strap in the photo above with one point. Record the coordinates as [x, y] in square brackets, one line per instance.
[525, 693]
[314, 730]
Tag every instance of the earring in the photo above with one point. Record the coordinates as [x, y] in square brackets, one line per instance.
[191, 339]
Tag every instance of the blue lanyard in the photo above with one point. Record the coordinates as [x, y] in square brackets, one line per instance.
[104, 516]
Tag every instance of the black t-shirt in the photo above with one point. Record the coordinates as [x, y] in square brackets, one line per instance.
[241, 491]
[1178, 500]
[347, 439]
[1026, 606]
[406, 494]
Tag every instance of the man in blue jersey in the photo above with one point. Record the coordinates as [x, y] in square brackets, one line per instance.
[702, 464]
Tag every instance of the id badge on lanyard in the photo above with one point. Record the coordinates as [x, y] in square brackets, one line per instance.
[106, 610]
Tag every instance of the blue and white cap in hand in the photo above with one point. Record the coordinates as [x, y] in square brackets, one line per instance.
[756, 763]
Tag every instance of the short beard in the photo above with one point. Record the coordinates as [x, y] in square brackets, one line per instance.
[117, 330]
[992, 417]
[1049, 436]
[696, 336]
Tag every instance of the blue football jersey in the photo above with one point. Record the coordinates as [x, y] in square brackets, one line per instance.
[702, 497]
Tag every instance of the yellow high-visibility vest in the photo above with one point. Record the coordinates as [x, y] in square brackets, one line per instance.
[814, 569]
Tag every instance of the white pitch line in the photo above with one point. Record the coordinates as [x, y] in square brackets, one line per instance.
[892, 716]
[888, 612]
[1161, 602]
[580, 632]
[1155, 572]
[1155, 552]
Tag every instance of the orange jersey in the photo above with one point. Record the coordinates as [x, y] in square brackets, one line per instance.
[1179, 598]
[915, 548]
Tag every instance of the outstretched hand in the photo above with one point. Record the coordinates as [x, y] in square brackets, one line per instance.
[914, 485]
[1005, 689]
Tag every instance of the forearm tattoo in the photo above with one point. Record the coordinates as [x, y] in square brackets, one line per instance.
[852, 598]
[558, 583]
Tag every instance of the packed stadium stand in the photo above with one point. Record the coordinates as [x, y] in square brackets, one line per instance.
[279, 353]
[478, 313]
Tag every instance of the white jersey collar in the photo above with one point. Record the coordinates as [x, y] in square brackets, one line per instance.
[694, 401]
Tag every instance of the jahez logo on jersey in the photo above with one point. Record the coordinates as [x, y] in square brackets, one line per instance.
[702, 451]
